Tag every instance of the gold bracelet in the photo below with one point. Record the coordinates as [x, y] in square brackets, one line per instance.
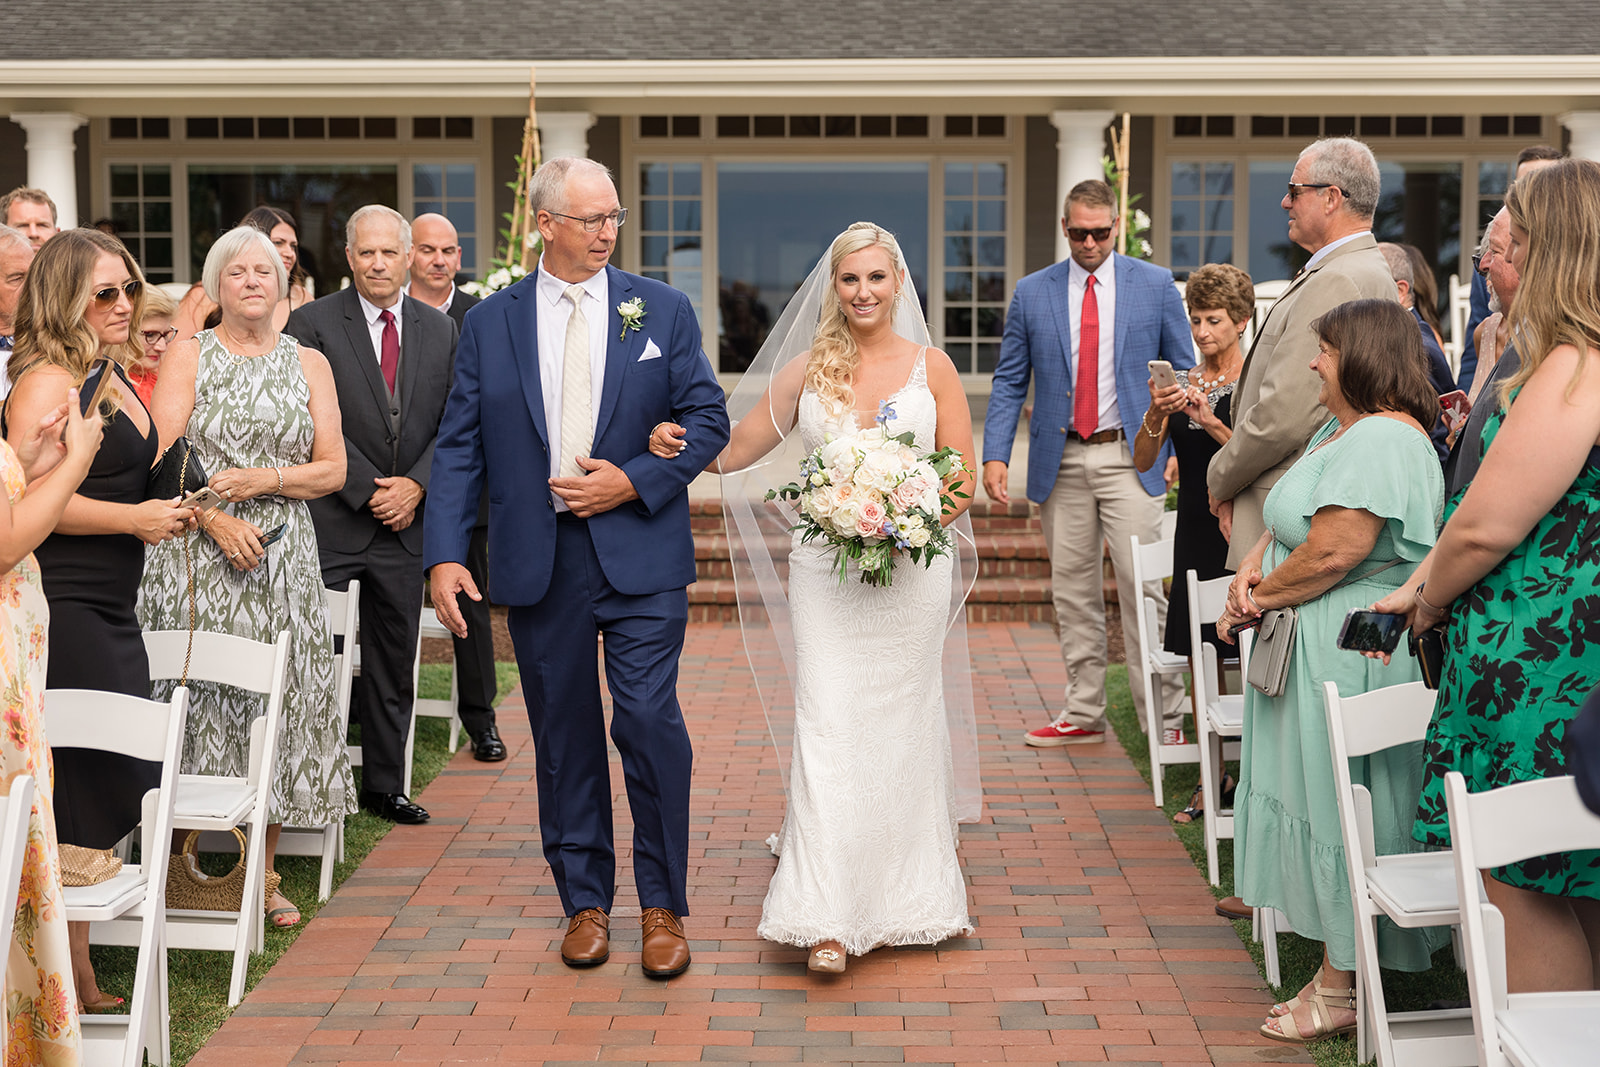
[280, 479]
[1145, 422]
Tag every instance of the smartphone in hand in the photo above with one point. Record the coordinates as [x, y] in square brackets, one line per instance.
[1455, 407]
[274, 534]
[203, 498]
[1161, 374]
[1370, 631]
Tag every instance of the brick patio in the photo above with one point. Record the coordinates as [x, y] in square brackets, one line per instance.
[1095, 936]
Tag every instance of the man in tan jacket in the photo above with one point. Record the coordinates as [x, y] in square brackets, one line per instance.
[1332, 195]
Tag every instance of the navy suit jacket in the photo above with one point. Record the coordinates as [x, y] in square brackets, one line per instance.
[1150, 323]
[494, 433]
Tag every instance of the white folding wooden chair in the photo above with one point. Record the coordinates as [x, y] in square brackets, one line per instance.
[136, 897]
[1492, 829]
[211, 802]
[16, 808]
[1413, 889]
[352, 653]
[1220, 724]
[327, 841]
[433, 707]
[1153, 562]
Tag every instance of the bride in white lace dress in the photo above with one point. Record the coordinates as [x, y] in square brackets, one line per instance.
[867, 852]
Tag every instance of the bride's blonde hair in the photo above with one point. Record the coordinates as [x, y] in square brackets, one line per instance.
[834, 357]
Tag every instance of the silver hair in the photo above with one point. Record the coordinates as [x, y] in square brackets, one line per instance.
[229, 247]
[361, 214]
[10, 238]
[1399, 263]
[548, 189]
[1483, 242]
[1350, 165]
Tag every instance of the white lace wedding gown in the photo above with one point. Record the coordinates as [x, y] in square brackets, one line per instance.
[867, 853]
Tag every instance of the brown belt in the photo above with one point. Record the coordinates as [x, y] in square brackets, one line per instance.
[1104, 437]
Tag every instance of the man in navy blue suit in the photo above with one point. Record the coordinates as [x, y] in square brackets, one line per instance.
[559, 381]
[1085, 330]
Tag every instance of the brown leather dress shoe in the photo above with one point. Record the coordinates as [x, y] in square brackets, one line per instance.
[1233, 908]
[666, 950]
[588, 940]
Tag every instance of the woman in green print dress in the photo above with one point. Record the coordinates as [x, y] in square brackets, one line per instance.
[1516, 578]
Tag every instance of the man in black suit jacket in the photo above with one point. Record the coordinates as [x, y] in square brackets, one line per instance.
[435, 261]
[392, 360]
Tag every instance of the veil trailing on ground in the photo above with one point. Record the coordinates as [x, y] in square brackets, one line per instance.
[759, 536]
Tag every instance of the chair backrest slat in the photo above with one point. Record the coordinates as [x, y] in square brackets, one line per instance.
[222, 658]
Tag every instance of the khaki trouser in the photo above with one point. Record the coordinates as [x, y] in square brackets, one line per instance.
[1098, 498]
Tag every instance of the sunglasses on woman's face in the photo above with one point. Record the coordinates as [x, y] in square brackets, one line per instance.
[104, 298]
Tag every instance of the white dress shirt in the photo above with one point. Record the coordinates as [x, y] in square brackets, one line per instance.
[554, 311]
[443, 308]
[370, 312]
[1105, 295]
[1323, 252]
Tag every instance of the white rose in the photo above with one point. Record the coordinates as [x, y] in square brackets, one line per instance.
[845, 515]
[820, 504]
[499, 279]
[918, 537]
[838, 453]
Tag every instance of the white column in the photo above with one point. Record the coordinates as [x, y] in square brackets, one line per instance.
[1081, 144]
[1584, 126]
[564, 133]
[51, 152]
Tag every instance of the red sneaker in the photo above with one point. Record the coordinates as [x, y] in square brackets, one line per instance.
[1173, 737]
[1061, 733]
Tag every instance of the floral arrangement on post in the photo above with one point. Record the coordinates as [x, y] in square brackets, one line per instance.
[873, 498]
[1134, 239]
[520, 242]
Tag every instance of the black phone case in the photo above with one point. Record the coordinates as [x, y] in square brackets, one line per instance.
[1428, 647]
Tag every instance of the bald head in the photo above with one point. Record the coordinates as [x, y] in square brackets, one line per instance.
[435, 258]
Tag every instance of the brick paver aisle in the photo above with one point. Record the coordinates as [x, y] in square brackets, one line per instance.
[1095, 935]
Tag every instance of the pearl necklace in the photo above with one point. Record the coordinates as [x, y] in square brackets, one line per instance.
[1208, 384]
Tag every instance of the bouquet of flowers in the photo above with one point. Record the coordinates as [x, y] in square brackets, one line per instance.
[873, 497]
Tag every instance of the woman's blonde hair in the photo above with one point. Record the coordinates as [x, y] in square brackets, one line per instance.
[50, 322]
[1558, 298]
[157, 305]
[834, 357]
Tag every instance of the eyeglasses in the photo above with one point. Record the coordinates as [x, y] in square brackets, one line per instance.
[1295, 187]
[155, 337]
[1079, 234]
[104, 298]
[595, 223]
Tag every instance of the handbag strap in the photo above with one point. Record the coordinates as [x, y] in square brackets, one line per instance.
[188, 562]
[1354, 577]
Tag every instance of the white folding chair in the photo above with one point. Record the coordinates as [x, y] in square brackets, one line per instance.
[211, 802]
[327, 841]
[1492, 829]
[16, 808]
[1413, 889]
[433, 707]
[1220, 724]
[352, 653]
[1153, 562]
[153, 731]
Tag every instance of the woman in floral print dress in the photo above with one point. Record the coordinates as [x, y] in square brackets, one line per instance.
[41, 1012]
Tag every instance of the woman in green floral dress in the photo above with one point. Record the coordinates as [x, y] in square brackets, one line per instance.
[263, 417]
[1515, 577]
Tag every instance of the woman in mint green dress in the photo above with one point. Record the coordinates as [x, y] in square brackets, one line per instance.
[1516, 578]
[1346, 524]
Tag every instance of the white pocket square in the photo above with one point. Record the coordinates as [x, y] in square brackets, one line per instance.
[650, 351]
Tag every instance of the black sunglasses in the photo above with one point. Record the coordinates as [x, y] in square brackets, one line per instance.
[104, 298]
[1099, 233]
[1295, 187]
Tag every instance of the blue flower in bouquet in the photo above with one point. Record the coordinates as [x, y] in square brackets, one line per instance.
[886, 414]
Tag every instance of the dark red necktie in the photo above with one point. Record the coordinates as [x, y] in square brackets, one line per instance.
[389, 354]
[1086, 407]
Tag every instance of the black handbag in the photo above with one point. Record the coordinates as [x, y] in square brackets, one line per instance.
[176, 473]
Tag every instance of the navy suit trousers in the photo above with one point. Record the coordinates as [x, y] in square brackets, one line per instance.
[555, 645]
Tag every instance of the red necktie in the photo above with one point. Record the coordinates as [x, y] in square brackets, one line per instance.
[1086, 407]
[389, 356]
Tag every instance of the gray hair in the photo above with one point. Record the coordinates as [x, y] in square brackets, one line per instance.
[10, 238]
[381, 211]
[229, 247]
[1399, 263]
[1483, 242]
[548, 189]
[1350, 165]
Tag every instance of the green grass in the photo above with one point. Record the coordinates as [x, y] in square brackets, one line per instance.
[199, 980]
[1298, 958]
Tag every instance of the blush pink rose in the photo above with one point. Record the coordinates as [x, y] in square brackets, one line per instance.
[872, 512]
[906, 494]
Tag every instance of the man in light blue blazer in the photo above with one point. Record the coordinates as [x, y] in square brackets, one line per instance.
[1084, 330]
[559, 380]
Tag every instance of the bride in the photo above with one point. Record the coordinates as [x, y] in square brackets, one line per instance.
[872, 681]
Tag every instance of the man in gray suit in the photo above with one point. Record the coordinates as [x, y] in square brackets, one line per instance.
[392, 359]
[1332, 195]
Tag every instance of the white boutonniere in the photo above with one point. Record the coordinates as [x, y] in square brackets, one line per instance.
[632, 312]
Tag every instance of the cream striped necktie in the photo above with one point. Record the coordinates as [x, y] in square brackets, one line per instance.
[577, 400]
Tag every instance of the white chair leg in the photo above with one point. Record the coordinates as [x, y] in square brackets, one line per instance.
[1269, 943]
[411, 745]
[455, 708]
[1210, 761]
[330, 840]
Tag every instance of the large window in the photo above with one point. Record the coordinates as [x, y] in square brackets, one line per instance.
[141, 207]
[1421, 205]
[775, 220]
[1272, 255]
[670, 225]
[1202, 215]
[321, 197]
[974, 263]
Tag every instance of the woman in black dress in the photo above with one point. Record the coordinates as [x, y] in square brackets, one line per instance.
[1195, 416]
[82, 296]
